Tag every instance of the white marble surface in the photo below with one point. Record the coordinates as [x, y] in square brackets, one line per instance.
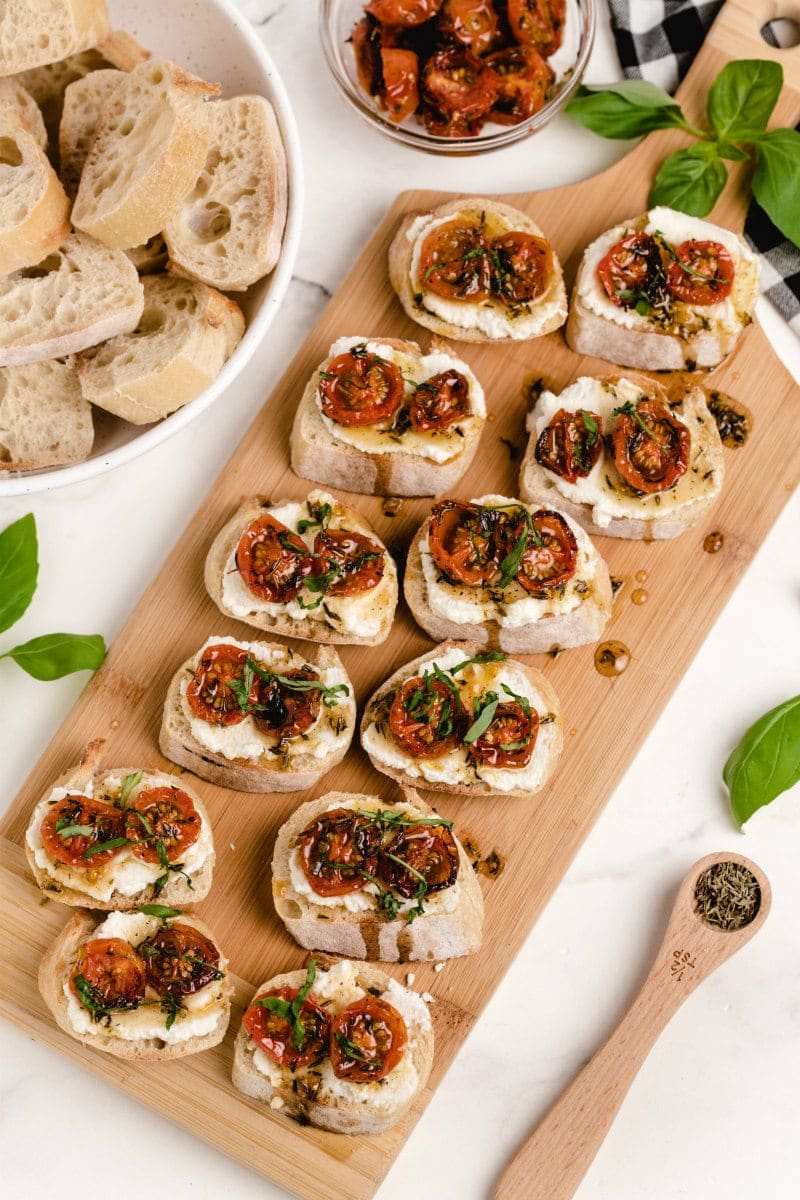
[714, 1112]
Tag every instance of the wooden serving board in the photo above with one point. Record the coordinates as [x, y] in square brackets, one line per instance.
[606, 719]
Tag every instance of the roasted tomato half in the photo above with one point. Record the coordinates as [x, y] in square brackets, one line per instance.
[338, 852]
[367, 1040]
[571, 444]
[275, 1034]
[473, 23]
[701, 273]
[651, 447]
[209, 693]
[357, 563]
[454, 261]
[538, 23]
[272, 561]
[440, 401]
[93, 821]
[403, 12]
[510, 739]
[522, 266]
[523, 80]
[460, 87]
[113, 971]
[179, 960]
[550, 554]
[430, 850]
[284, 710]
[427, 717]
[366, 40]
[399, 92]
[631, 270]
[166, 815]
[359, 388]
[463, 543]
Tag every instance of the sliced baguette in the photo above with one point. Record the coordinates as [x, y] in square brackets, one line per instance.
[313, 1094]
[186, 334]
[78, 296]
[33, 35]
[34, 211]
[44, 419]
[227, 231]
[150, 258]
[319, 624]
[149, 147]
[332, 927]
[121, 50]
[84, 100]
[12, 92]
[546, 313]
[57, 966]
[87, 778]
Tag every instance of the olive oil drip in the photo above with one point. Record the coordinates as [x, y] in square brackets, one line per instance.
[734, 421]
[713, 542]
[727, 895]
[611, 658]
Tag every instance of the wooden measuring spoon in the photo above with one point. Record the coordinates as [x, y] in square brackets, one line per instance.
[556, 1156]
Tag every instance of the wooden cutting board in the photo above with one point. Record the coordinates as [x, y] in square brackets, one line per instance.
[606, 719]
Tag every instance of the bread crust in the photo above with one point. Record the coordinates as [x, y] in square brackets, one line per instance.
[27, 239]
[368, 935]
[400, 262]
[56, 966]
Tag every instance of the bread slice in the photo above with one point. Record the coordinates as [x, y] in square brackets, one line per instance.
[34, 211]
[336, 620]
[55, 970]
[84, 100]
[440, 932]
[44, 419]
[452, 773]
[150, 258]
[149, 147]
[227, 231]
[13, 93]
[186, 334]
[32, 35]
[121, 50]
[78, 296]
[382, 465]
[88, 779]
[491, 320]
[291, 767]
[314, 1094]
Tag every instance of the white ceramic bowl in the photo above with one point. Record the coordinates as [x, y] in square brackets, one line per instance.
[214, 40]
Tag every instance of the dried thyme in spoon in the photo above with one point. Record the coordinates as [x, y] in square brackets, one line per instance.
[727, 895]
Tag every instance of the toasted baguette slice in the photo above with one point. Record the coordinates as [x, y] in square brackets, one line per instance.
[149, 147]
[32, 35]
[150, 258]
[227, 232]
[186, 334]
[672, 335]
[44, 419]
[575, 615]
[82, 294]
[271, 765]
[84, 100]
[454, 772]
[12, 92]
[450, 925]
[125, 881]
[314, 1094]
[363, 619]
[602, 502]
[34, 211]
[382, 462]
[60, 961]
[486, 321]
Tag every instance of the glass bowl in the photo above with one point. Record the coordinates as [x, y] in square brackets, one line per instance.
[337, 19]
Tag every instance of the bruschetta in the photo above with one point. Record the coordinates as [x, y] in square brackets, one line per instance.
[345, 1048]
[360, 876]
[312, 568]
[258, 716]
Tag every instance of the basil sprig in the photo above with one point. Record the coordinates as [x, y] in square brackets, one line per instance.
[242, 688]
[290, 1010]
[766, 762]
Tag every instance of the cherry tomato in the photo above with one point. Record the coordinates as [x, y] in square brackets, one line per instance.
[180, 960]
[272, 561]
[103, 820]
[114, 972]
[287, 711]
[209, 694]
[550, 554]
[170, 818]
[571, 444]
[431, 851]
[463, 544]
[427, 717]
[473, 23]
[523, 80]
[275, 1034]
[359, 388]
[399, 94]
[538, 23]
[454, 261]
[631, 269]
[358, 562]
[440, 401]
[703, 275]
[366, 40]
[651, 448]
[457, 84]
[509, 740]
[523, 263]
[338, 851]
[403, 12]
[367, 1040]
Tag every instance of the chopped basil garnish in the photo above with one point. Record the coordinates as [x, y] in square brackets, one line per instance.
[630, 410]
[65, 830]
[158, 910]
[242, 688]
[352, 1050]
[391, 820]
[128, 784]
[319, 516]
[484, 718]
[99, 847]
[291, 1010]
[89, 997]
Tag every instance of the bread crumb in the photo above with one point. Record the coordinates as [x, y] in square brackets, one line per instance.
[276, 1102]
[231, 845]
[438, 967]
[427, 997]
[410, 977]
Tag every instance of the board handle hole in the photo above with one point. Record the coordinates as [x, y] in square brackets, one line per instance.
[782, 32]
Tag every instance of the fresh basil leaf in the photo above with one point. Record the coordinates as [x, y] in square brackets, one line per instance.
[101, 847]
[690, 180]
[479, 659]
[128, 784]
[776, 182]
[624, 110]
[158, 910]
[58, 654]
[732, 152]
[19, 569]
[484, 720]
[742, 97]
[351, 1050]
[282, 1008]
[766, 762]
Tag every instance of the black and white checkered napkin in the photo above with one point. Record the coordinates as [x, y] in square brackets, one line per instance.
[657, 40]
